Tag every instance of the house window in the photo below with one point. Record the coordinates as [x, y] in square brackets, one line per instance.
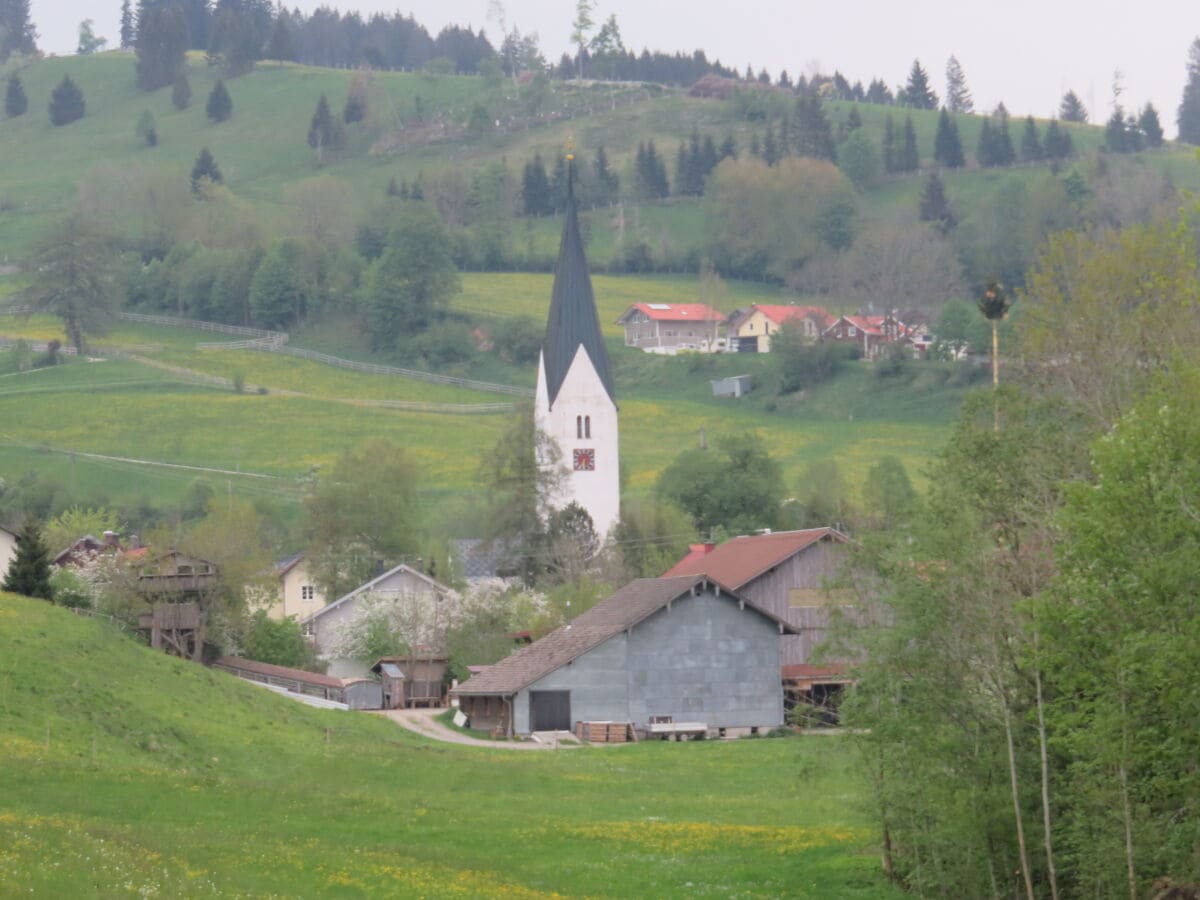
[308, 593]
[308, 629]
[853, 331]
[579, 426]
[587, 426]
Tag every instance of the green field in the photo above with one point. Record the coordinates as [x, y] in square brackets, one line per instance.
[131, 773]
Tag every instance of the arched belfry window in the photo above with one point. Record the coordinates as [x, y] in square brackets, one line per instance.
[579, 426]
[587, 426]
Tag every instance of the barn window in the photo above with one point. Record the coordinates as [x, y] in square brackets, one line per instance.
[587, 426]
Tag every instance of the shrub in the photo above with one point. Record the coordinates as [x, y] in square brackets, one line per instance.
[518, 339]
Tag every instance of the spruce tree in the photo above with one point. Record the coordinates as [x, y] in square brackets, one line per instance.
[15, 101]
[145, 130]
[1071, 109]
[220, 104]
[1187, 118]
[66, 102]
[812, 135]
[607, 181]
[17, 34]
[160, 44]
[1031, 142]
[1150, 126]
[910, 158]
[535, 188]
[853, 119]
[917, 92]
[280, 47]
[1116, 136]
[728, 148]
[985, 153]
[29, 572]
[947, 145]
[355, 109]
[127, 31]
[888, 149]
[958, 96]
[393, 189]
[770, 147]
[1005, 153]
[935, 207]
[205, 170]
[181, 91]
[878, 92]
[321, 128]
[1057, 144]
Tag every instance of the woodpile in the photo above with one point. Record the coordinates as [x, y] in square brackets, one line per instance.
[606, 732]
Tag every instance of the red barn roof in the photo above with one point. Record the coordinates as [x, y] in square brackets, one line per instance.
[675, 312]
[739, 561]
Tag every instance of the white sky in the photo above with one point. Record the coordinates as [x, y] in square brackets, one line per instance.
[1024, 52]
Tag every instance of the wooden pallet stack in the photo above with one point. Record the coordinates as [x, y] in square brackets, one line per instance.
[606, 732]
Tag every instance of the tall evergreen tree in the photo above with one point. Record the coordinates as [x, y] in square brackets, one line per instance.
[535, 188]
[1150, 126]
[607, 181]
[935, 207]
[909, 159]
[947, 145]
[1188, 116]
[161, 42]
[770, 148]
[220, 104]
[812, 135]
[15, 101]
[66, 102]
[128, 34]
[888, 149]
[1071, 109]
[985, 153]
[17, 34]
[917, 92]
[958, 95]
[181, 91]
[1005, 153]
[280, 47]
[878, 92]
[728, 148]
[205, 170]
[29, 572]
[1031, 142]
[1057, 144]
[1116, 135]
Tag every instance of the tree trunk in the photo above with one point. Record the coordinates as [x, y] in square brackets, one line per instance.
[1122, 775]
[1037, 680]
[995, 376]
[1016, 798]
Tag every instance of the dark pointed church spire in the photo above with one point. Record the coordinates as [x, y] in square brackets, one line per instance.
[573, 322]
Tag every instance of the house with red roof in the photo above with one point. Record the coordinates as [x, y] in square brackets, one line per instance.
[870, 333]
[751, 328]
[671, 327]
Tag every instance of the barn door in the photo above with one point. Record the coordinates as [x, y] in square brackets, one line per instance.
[549, 710]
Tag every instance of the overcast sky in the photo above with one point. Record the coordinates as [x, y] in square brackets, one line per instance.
[1024, 52]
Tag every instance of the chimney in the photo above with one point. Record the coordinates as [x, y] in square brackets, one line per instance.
[703, 549]
[135, 543]
[111, 539]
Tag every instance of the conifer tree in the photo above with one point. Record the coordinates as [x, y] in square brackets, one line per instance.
[355, 109]
[917, 92]
[181, 91]
[15, 101]
[770, 147]
[755, 146]
[935, 207]
[1071, 109]
[558, 183]
[1005, 153]
[160, 44]
[985, 153]
[607, 181]
[1031, 142]
[1150, 126]
[853, 119]
[958, 96]
[947, 145]
[1187, 118]
[17, 34]
[393, 189]
[29, 572]
[1057, 144]
[910, 158]
[1116, 136]
[205, 171]
[146, 130]
[66, 102]
[535, 188]
[127, 31]
[280, 47]
[220, 104]
[890, 155]
[812, 135]
[728, 148]
[878, 92]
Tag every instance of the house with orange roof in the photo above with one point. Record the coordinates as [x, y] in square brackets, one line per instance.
[750, 329]
[671, 327]
[869, 333]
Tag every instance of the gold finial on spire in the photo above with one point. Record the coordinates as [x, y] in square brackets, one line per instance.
[570, 148]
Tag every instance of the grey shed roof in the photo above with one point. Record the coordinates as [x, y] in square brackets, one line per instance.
[391, 670]
[630, 605]
[573, 321]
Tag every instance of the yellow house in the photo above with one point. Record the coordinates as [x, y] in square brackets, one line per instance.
[750, 329]
[298, 595]
[8, 549]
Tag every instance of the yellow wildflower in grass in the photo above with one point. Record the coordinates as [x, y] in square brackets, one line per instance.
[697, 837]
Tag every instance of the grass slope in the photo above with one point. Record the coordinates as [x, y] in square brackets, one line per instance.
[129, 772]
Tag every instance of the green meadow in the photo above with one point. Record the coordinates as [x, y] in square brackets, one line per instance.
[128, 772]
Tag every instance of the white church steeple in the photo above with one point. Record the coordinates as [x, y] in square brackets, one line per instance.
[575, 404]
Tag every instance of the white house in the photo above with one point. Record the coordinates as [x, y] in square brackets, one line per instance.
[8, 549]
[575, 403]
[424, 607]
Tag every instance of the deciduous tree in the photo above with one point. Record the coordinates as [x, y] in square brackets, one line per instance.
[735, 488]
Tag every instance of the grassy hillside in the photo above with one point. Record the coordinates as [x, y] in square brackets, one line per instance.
[129, 772]
[264, 156]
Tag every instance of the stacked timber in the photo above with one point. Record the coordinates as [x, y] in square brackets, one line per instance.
[606, 732]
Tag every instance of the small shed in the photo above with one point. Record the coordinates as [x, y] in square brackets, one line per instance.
[733, 386]
[356, 693]
[415, 680]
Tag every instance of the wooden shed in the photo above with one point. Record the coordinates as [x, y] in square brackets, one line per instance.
[415, 680]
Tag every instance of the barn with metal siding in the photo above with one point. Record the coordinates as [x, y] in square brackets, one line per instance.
[660, 648]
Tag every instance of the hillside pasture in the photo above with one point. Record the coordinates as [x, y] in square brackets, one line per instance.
[167, 779]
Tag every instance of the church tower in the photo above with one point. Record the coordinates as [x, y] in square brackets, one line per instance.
[575, 403]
